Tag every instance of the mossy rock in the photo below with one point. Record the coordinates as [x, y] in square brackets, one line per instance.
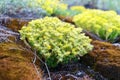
[16, 63]
[104, 58]
[13, 23]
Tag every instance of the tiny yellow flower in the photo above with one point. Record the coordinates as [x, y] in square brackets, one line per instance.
[78, 8]
[110, 30]
[44, 37]
[67, 53]
[48, 47]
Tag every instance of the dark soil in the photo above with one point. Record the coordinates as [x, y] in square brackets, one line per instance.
[75, 71]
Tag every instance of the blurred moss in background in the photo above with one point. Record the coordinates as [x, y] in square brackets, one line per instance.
[100, 4]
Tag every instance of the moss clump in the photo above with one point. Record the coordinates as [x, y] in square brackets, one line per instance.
[105, 24]
[56, 41]
[16, 63]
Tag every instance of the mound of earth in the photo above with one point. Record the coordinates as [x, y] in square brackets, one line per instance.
[16, 63]
[105, 58]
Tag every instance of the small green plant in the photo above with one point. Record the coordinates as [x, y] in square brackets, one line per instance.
[79, 9]
[51, 5]
[67, 12]
[56, 41]
[105, 24]
[74, 10]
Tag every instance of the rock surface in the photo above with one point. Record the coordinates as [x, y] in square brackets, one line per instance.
[66, 19]
[6, 35]
[105, 58]
[13, 23]
[16, 63]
